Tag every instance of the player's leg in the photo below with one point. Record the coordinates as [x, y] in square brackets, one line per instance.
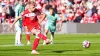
[16, 39]
[52, 30]
[52, 37]
[38, 33]
[27, 35]
[35, 45]
[45, 33]
[36, 41]
[28, 38]
[18, 35]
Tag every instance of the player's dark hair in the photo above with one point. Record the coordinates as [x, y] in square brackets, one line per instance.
[53, 10]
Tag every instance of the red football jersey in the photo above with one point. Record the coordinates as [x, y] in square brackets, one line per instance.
[30, 19]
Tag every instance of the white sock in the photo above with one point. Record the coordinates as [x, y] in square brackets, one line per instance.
[18, 37]
[52, 37]
[28, 42]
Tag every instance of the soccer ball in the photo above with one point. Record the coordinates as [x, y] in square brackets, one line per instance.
[86, 44]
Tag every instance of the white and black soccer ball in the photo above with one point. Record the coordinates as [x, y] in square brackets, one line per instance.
[86, 44]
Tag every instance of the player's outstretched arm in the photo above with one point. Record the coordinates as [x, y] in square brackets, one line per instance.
[16, 19]
[60, 20]
[43, 17]
[60, 24]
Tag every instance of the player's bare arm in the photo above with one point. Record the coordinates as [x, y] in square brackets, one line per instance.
[43, 17]
[16, 19]
[60, 24]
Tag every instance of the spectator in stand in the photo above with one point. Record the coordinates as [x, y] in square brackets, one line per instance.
[10, 13]
[94, 18]
[85, 19]
[70, 16]
[0, 11]
[49, 5]
[98, 13]
[54, 6]
[77, 1]
[89, 8]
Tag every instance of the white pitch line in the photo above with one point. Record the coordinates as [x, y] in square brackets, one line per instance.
[9, 45]
[6, 45]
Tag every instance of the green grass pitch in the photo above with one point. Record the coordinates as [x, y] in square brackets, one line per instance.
[65, 45]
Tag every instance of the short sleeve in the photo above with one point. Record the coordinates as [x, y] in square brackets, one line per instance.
[57, 16]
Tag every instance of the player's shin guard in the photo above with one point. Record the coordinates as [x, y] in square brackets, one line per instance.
[35, 44]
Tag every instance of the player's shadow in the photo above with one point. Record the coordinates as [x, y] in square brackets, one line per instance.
[61, 51]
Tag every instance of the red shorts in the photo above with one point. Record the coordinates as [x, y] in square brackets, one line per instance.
[34, 26]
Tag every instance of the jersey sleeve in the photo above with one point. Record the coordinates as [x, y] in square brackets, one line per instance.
[57, 16]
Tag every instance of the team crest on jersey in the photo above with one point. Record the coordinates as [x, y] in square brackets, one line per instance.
[31, 15]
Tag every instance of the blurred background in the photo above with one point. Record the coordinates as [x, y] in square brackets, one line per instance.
[75, 12]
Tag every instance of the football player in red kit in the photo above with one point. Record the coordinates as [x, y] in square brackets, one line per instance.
[33, 25]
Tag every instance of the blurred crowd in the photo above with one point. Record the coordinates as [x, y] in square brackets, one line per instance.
[78, 11]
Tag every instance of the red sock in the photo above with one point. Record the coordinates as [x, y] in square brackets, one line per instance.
[35, 44]
[28, 37]
[42, 36]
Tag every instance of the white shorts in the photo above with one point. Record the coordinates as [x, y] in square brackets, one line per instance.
[51, 28]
